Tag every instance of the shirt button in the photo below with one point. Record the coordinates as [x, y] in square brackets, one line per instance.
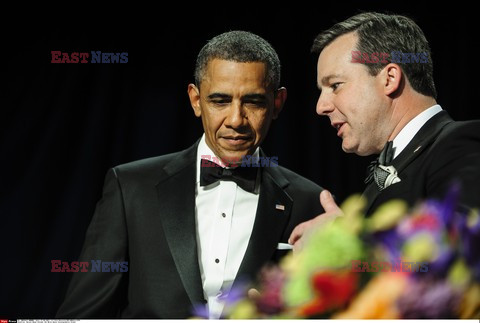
[223, 215]
[217, 260]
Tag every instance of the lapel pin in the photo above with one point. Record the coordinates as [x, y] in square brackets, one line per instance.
[417, 149]
[280, 207]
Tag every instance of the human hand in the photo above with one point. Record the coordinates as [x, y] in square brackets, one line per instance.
[332, 211]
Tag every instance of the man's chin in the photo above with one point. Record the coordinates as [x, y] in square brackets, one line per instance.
[350, 150]
[347, 148]
[357, 152]
[236, 156]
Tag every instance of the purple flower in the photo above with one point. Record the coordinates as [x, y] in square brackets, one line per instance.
[427, 298]
[447, 210]
[440, 266]
[470, 242]
[272, 280]
[391, 241]
[236, 293]
[200, 310]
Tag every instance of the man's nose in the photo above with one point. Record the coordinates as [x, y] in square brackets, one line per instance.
[324, 105]
[236, 116]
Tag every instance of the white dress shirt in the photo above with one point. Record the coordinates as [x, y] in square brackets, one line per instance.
[410, 130]
[225, 215]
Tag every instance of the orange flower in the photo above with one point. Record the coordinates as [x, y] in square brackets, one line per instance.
[470, 306]
[377, 299]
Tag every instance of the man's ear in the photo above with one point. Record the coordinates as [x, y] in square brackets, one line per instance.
[392, 76]
[194, 95]
[279, 101]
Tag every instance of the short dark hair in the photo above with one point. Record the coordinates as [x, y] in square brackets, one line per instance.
[240, 46]
[384, 33]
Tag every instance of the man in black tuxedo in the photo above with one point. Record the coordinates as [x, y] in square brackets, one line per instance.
[375, 77]
[193, 223]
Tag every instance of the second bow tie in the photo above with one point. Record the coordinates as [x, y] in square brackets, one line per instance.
[380, 171]
[245, 177]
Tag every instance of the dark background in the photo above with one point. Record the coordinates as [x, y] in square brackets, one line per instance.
[63, 125]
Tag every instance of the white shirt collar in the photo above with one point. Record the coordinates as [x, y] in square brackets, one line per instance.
[410, 130]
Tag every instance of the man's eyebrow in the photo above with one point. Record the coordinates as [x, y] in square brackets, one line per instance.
[217, 95]
[326, 79]
[254, 96]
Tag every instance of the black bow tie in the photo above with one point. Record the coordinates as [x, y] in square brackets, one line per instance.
[378, 169]
[211, 172]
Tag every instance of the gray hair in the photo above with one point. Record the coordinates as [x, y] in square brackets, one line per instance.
[239, 46]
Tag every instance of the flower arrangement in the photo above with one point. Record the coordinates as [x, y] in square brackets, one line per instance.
[417, 263]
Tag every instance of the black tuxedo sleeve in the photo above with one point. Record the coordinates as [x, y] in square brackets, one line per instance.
[457, 160]
[101, 294]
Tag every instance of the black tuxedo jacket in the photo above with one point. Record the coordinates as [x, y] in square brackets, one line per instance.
[147, 217]
[441, 153]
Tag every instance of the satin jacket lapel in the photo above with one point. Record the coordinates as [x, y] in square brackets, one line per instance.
[176, 192]
[423, 139]
[270, 222]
